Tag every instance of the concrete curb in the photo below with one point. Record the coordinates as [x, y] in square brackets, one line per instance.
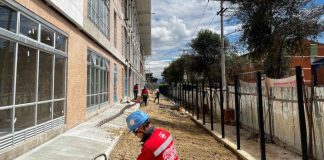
[241, 154]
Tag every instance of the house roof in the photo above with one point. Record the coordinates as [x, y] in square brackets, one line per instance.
[319, 62]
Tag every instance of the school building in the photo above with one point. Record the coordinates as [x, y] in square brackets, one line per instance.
[64, 61]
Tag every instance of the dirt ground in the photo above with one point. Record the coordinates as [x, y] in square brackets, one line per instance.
[191, 141]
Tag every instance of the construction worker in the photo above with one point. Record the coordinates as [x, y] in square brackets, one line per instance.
[145, 93]
[157, 143]
[135, 90]
[157, 95]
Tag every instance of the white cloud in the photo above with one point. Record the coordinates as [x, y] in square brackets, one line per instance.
[174, 24]
[157, 66]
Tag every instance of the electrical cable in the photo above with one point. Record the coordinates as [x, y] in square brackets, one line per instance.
[201, 18]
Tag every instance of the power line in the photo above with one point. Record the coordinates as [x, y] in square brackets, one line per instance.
[201, 18]
[212, 18]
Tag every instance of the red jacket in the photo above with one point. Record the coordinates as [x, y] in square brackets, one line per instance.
[159, 147]
[145, 92]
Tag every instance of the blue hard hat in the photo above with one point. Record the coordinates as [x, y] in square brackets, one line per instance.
[136, 119]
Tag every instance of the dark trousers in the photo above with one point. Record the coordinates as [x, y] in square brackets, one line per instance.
[158, 99]
[145, 99]
[135, 94]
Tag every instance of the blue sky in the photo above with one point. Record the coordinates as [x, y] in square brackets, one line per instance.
[175, 23]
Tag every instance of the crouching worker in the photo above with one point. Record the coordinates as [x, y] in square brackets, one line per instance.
[157, 143]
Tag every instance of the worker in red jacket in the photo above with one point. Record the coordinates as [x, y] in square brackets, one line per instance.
[145, 95]
[157, 143]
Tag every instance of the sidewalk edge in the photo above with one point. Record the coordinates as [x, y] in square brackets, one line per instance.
[228, 144]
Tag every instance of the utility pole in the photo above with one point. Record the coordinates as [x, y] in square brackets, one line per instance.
[221, 13]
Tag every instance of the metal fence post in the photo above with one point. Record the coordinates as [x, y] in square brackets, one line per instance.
[302, 122]
[203, 101]
[192, 100]
[222, 107]
[211, 106]
[197, 99]
[237, 112]
[187, 104]
[260, 116]
[180, 94]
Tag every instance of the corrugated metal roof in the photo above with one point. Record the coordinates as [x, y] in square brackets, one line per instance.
[144, 14]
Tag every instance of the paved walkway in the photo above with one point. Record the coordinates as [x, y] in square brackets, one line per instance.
[249, 143]
[85, 141]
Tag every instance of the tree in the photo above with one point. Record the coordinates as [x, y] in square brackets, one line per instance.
[174, 72]
[272, 29]
[150, 78]
[206, 47]
[235, 64]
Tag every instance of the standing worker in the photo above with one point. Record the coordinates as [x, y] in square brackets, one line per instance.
[135, 90]
[145, 93]
[157, 143]
[157, 95]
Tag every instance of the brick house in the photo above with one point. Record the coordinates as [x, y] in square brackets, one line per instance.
[314, 54]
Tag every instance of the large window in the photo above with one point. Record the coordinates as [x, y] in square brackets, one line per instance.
[115, 29]
[115, 83]
[45, 76]
[47, 36]
[28, 27]
[32, 75]
[26, 75]
[97, 79]
[8, 18]
[7, 54]
[60, 42]
[98, 13]
[59, 87]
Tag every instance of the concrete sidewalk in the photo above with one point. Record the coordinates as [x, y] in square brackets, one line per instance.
[86, 140]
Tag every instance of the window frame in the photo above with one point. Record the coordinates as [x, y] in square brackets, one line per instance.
[99, 81]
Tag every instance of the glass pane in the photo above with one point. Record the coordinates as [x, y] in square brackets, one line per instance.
[45, 76]
[8, 18]
[44, 112]
[28, 27]
[24, 117]
[47, 36]
[7, 52]
[58, 109]
[88, 101]
[98, 81]
[5, 122]
[59, 83]
[26, 75]
[60, 42]
[89, 56]
[98, 99]
[88, 79]
[102, 86]
[93, 101]
[93, 82]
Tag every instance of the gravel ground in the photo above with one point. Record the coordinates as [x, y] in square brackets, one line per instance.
[191, 141]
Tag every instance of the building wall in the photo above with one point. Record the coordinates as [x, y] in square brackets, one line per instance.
[78, 43]
[70, 18]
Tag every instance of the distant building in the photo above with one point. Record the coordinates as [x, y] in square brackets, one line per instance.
[312, 55]
[64, 61]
